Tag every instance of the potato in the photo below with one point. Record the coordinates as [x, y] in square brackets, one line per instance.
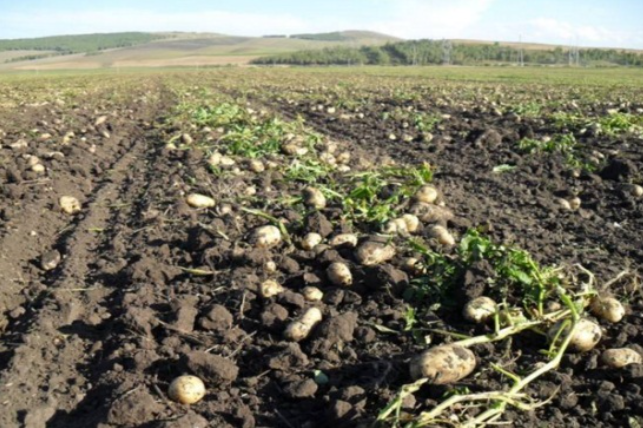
[372, 253]
[442, 235]
[38, 168]
[348, 239]
[343, 158]
[339, 274]
[585, 338]
[575, 203]
[411, 265]
[197, 200]
[396, 227]
[270, 288]
[266, 237]
[301, 328]
[620, 357]
[607, 308]
[69, 204]
[443, 364]
[564, 204]
[311, 240]
[479, 310]
[429, 213]
[256, 165]
[186, 389]
[270, 267]
[314, 198]
[413, 223]
[426, 194]
[636, 190]
[312, 294]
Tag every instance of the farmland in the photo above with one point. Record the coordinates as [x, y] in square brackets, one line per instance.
[299, 238]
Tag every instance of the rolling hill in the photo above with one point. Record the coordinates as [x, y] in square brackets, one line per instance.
[165, 49]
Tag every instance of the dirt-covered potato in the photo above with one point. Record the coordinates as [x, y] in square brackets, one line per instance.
[310, 241]
[372, 253]
[442, 235]
[413, 223]
[300, 328]
[314, 198]
[69, 204]
[608, 309]
[479, 310]
[396, 227]
[266, 236]
[197, 200]
[426, 194]
[186, 389]
[312, 294]
[443, 364]
[429, 213]
[348, 239]
[270, 288]
[585, 338]
[620, 357]
[339, 274]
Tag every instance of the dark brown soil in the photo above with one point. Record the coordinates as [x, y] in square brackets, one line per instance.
[95, 341]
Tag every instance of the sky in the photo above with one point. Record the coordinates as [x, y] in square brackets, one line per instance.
[600, 23]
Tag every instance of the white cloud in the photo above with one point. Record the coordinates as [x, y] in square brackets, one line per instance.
[434, 19]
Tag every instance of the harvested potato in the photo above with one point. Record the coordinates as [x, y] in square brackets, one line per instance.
[412, 223]
[348, 239]
[426, 194]
[266, 237]
[442, 235]
[339, 274]
[255, 165]
[343, 158]
[187, 389]
[311, 240]
[443, 364]
[372, 253]
[575, 203]
[197, 200]
[564, 204]
[429, 213]
[270, 288]
[301, 328]
[479, 310]
[312, 294]
[69, 204]
[620, 357]
[585, 338]
[607, 308]
[396, 227]
[270, 267]
[314, 198]
[38, 168]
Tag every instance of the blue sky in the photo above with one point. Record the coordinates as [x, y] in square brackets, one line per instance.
[583, 22]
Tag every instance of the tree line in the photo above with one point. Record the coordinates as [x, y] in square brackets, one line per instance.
[431, 52]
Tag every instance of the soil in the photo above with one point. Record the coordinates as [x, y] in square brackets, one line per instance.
[99, 311]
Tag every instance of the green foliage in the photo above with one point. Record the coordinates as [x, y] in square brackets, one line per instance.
[79, 43]
[329, 37]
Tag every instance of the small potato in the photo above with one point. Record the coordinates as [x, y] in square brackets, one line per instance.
[372, 253]
[411, 265]
[343, 158]
[608, 309]
[339, 274]
[396, 227]
[38, 168]
[270, 267]
[575, 203]
[290, 149]
[442, 235]
[314, 198]
[69, 204]
[311, 240]
[479, 310]
[312, 294]
[564, 204]
[187, 389]
[426, 194]
[412, 222]
[636, 190]
[270, 288]
[619, 358]
[256, 165]
[266, 237]
[197, 200]
[585, 338]
[301, 328]
[443, 364]
[348, 239]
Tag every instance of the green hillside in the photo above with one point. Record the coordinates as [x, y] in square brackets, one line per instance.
[79, 43]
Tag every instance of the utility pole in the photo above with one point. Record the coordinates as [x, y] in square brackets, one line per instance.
[447, 48]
